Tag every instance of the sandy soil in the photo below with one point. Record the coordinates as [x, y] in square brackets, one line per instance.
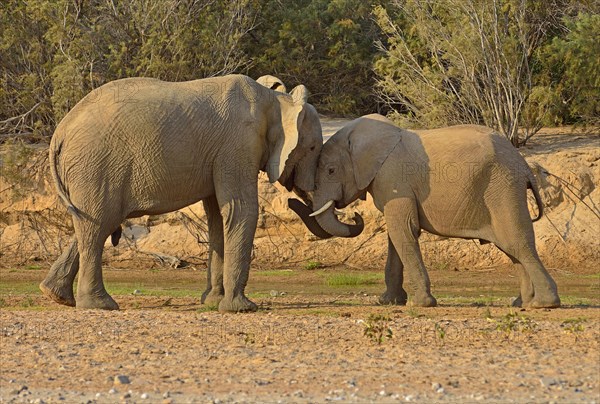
[307, 343]
[310, 341]
[34, 226]
[445, 354]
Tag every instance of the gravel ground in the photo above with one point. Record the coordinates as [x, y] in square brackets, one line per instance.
[299, 352]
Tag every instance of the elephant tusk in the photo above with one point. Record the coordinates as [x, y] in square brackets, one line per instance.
[338, 212]
[323, 209]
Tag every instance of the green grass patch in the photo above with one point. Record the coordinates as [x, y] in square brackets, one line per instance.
[353, 279]
[19, 288]
[276, 272]
[575, 301]
[33, 267]
[207, 308]
[310, 265]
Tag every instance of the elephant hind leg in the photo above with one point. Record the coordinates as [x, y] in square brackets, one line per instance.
[538, 289]
[527, 292]
[214, 292]
[91, 293]
[58, 284]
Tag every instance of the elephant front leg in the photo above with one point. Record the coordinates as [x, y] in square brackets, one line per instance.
[214, 292]
[58, 284]
[239, 225]
[395, 293]
[403, 228]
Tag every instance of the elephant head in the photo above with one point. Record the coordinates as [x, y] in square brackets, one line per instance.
[293, 160]
[347, 165]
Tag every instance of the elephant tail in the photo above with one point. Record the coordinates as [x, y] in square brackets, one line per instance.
[532, 184]
[60, 188]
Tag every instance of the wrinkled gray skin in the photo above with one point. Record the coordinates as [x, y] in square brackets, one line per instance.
[141, 146]
[463, 181]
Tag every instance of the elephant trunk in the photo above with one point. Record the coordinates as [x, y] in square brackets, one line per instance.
[304, 212]
[326, 224]
[329, 222]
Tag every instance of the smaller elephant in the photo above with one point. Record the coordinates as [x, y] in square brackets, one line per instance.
[463, 181]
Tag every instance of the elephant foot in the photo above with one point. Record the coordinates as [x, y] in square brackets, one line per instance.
[544, 302]
[393, 298]
[237, 304]
[212, 297]
[59, 292]
[423, 301]
[102, 301]
[518, 302]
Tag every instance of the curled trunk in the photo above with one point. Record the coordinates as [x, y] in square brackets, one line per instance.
[326, 224]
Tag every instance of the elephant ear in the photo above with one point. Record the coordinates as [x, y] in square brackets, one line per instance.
[299, 94]
[370, 143]
[272, 82]
[286, 140]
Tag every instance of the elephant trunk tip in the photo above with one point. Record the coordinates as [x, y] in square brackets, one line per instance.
[359, 225]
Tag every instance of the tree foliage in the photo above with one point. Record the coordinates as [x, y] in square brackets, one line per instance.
[471, 61]
[511, 64]
[54, 52]
[327, 45]
[570, 72]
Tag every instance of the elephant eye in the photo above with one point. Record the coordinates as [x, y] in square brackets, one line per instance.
[312, 148]
[331, 170]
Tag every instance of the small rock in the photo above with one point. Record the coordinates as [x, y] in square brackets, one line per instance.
[382, 393]
[435, 386]
[274, 293]
[548, 381]
[454, 383]
[144, 396]
[98, 395]
[121, 379]
[409, 398]
[166, 394]
[137, 292]
[126, 395]
[112, 391]
[39, 401]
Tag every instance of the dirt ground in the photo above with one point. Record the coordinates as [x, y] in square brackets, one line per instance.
[313, 340]
[319, 334]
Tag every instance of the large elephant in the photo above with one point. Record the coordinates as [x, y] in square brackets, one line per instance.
[142, 146]
[463, 181]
